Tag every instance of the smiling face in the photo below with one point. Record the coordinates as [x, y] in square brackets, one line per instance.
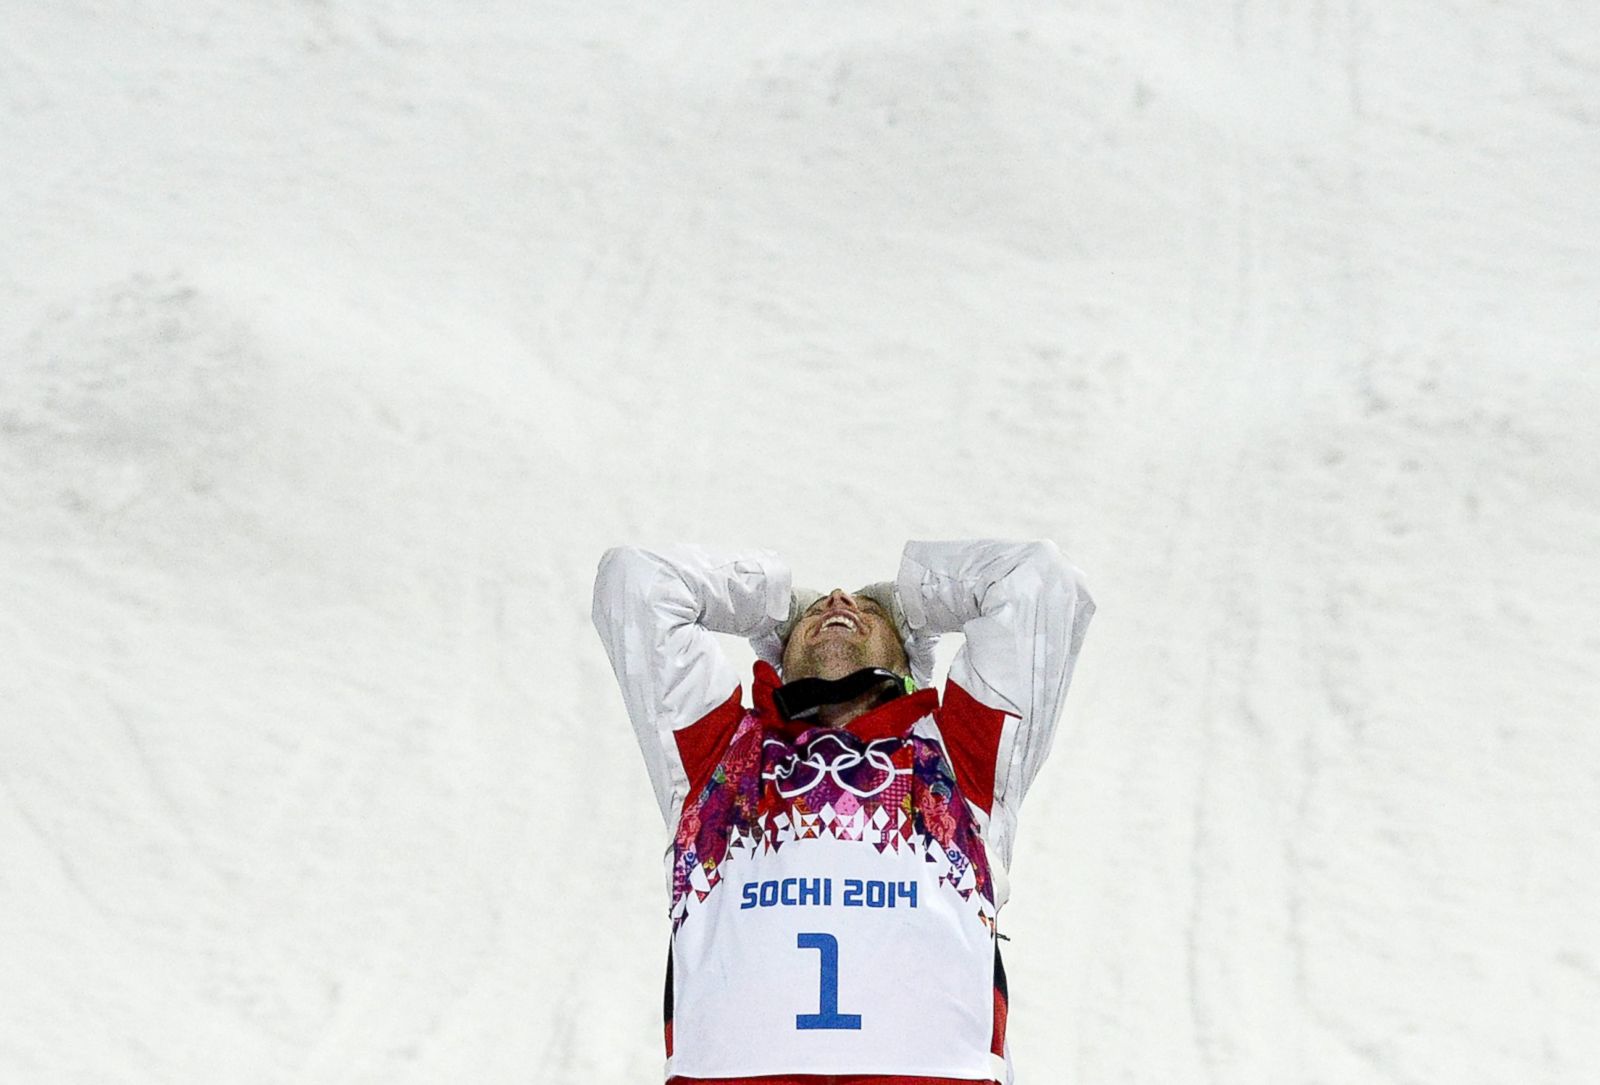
[838, 635]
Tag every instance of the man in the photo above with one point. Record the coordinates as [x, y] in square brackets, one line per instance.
[839, 848]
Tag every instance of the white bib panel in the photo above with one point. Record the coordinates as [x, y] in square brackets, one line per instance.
[826, 956]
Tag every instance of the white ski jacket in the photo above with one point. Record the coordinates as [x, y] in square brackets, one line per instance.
[834, 890]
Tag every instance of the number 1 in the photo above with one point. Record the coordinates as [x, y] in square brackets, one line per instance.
[827, 1015]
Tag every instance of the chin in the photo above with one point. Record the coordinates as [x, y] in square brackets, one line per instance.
[829, 664]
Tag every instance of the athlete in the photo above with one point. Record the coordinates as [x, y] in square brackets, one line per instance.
[839, 846]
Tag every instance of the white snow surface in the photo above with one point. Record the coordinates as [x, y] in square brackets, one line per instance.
[337, 340]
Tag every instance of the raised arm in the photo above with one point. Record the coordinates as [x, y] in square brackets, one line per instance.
[1023, 610]
[655, 611]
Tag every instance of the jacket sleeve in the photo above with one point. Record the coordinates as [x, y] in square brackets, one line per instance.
[1023, 611]
[656, 611]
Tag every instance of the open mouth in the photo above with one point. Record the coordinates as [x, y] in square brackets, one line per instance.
[840, 621]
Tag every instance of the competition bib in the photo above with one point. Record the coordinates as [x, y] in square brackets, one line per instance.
[832, 915]
[830, 958]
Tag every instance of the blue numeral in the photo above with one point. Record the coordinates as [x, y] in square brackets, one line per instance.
[828, 1016]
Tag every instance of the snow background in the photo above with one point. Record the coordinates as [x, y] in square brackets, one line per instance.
[337, 341]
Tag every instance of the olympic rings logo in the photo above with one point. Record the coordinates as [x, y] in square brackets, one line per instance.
[796, 775]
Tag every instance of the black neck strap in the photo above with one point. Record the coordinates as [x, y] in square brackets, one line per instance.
[804, 698]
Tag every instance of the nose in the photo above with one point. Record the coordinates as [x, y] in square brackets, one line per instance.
[839, 595]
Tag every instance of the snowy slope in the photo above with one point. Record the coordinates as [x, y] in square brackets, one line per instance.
[337, 340]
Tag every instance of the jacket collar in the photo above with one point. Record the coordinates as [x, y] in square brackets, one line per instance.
[893, 719]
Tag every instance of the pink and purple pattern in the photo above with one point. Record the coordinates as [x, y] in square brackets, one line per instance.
[768, 790]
